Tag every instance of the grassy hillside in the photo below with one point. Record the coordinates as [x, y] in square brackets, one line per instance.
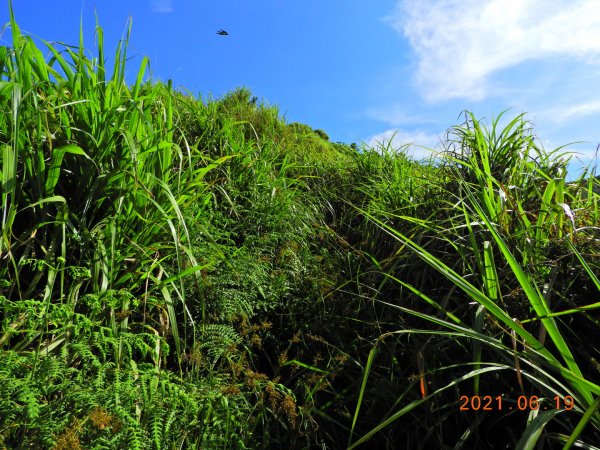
[180, 273]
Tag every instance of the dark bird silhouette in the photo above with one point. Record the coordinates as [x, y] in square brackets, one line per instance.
[222, 32]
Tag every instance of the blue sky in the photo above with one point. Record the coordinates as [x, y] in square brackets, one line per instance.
[361, 70]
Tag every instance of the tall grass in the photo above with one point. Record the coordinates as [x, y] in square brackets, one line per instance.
[86, 166]
[512, 225]
[133, 270]
[188, 272]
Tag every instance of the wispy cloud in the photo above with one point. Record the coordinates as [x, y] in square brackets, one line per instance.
[417, 143]
[567, 113]
[161, 6]
[459, 44]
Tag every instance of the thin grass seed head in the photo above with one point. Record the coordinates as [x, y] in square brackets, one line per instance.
[568, 213]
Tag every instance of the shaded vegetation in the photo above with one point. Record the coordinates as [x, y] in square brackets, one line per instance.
[186, 273]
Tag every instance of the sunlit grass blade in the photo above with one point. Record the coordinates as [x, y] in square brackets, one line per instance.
[589, 413]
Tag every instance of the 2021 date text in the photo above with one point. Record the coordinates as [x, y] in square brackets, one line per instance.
[522, 403]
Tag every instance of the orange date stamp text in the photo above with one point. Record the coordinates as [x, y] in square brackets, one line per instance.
[522, 403]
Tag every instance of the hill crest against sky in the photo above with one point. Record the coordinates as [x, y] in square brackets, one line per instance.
[366, 72]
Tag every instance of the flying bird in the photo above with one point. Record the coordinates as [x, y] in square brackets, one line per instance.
[222, 32]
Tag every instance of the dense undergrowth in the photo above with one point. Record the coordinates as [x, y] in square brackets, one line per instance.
[180, 273]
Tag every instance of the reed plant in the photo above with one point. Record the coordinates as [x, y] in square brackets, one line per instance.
[513, 232]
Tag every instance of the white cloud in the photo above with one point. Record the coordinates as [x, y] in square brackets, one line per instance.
[567, 113]
[459, 44]
[418, 144]
[161, 6]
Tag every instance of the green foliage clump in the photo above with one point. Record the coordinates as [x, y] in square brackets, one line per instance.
[505, 240]
[78, 400]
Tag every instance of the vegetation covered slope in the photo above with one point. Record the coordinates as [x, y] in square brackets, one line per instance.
[185, 274]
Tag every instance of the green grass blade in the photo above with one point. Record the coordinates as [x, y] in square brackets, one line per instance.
[361, 393]
[532, 433]
[56, 164]
[585, 265]
[582, 423]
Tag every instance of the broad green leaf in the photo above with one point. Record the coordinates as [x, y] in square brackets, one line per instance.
[53, 172]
